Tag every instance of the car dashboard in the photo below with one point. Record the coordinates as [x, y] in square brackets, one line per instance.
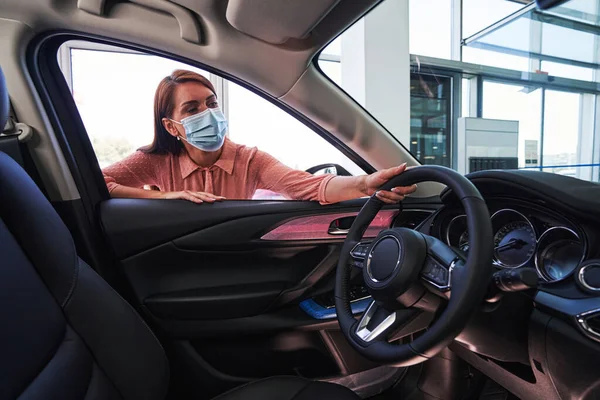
[542, 342]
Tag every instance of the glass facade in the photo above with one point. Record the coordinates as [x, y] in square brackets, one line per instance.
[430, 118]
[564, 39]
[544, 81]
[561, 132]
[510, 102]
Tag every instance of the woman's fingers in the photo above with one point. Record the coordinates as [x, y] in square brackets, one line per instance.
[404, 189]
[189, 196]
[207, 197]
[396, 195]
[199, 197]
[211, 197]
[389, 173]
[389, 197]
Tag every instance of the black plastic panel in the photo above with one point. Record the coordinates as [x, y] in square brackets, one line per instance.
[215, 303]
[568, 307]
[563, 194]
[572, 361]
[290, 353]
[500, 331]
[167, 269]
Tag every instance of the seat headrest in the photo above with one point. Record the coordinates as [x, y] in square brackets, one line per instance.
[4, 102]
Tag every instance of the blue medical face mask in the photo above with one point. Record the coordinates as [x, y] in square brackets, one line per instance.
[205, 130]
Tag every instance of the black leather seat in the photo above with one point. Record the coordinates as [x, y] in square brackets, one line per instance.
[64, 333]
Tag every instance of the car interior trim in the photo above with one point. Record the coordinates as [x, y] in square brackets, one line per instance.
[318, 226]
[539, 268]
[582, 321]
[369, 334]
[582, 280]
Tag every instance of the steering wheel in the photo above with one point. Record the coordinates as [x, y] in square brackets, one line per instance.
[414, 278]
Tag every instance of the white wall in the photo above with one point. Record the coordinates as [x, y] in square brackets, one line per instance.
[375, 47]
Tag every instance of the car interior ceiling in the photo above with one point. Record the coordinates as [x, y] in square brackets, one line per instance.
[143, 299]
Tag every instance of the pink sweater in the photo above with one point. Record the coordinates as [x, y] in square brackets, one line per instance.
[237, 174]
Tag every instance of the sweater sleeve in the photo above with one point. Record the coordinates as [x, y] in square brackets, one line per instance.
[135, 171]
[291, 183]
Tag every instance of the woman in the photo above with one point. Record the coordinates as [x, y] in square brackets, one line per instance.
[190, 158]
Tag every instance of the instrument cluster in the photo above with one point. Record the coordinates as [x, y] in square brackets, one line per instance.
[525, 239]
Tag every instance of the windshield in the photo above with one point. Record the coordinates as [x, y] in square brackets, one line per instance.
[479, 84]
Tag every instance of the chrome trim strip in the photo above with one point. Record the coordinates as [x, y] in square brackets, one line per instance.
[537, 253]
[498, 263]
[367, 335]
[581, 278]
[450, 225]
[582, 323]
[370, 256]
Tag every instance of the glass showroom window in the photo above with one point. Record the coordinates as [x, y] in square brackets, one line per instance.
[561, 132]
[512, 102]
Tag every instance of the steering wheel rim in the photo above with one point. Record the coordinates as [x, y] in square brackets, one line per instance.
[469, 281]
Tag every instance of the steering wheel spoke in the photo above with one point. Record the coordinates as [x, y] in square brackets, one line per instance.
[380, 324]
[375, 323]
[438, 275]
[439, 264]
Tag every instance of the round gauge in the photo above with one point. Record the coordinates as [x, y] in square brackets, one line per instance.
[560, 252]
[457, 234]
[514, 239]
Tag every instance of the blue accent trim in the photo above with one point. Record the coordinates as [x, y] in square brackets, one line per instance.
[317, 311]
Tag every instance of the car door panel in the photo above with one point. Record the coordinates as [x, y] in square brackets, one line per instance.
[224, 291]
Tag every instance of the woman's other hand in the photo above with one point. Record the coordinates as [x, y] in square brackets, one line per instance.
[196, 197]
[377, 179]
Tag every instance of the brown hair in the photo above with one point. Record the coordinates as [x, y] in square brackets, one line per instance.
[163, 141]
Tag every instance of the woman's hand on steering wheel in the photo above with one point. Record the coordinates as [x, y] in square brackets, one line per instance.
[195, 197]
[377, 179]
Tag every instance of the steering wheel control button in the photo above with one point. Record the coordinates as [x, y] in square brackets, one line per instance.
[384, 258]
[435, 273]
[588, 276]
[360, 251]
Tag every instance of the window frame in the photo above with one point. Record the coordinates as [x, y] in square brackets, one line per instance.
[43, 63]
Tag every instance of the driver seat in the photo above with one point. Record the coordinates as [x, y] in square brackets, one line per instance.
[66, 334]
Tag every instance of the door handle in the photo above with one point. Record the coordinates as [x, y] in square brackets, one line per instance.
[337, 231]
[341, 226]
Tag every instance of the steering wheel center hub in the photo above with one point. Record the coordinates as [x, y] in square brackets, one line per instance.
[393, 263]
[384, 258]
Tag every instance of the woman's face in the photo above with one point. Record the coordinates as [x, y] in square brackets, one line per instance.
[189, 98]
